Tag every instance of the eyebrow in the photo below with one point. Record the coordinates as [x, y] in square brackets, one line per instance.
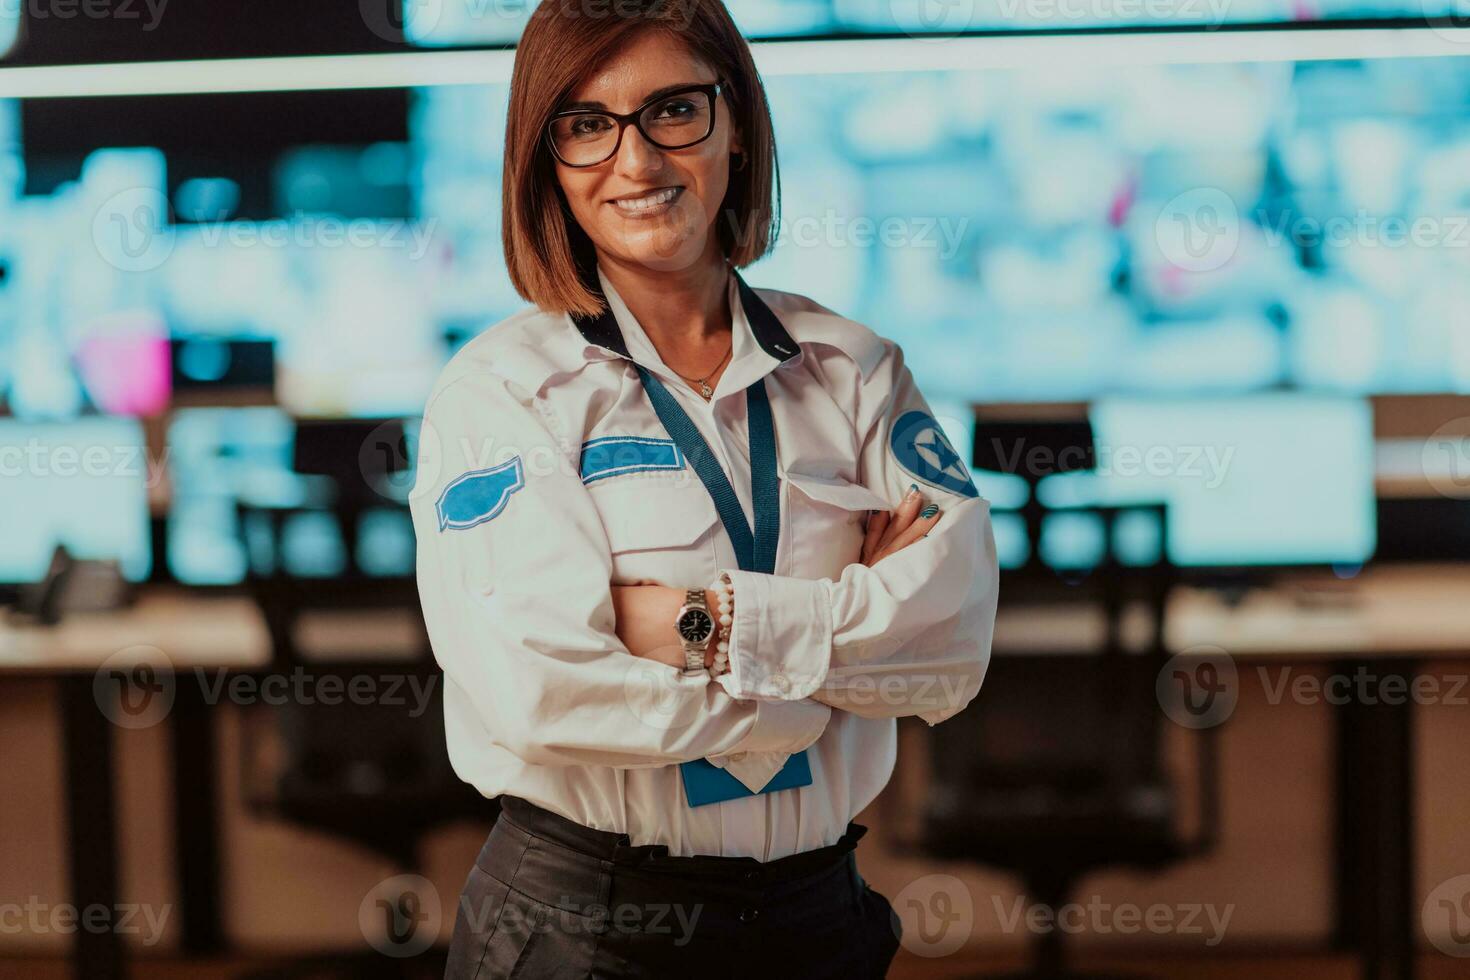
[600, 107]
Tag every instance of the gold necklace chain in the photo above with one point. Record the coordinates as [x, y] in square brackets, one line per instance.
[705, 390]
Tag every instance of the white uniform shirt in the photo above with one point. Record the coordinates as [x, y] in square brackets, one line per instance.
[523, 527]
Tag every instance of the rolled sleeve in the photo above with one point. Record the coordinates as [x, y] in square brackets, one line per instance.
[780, 637]
[909, 635]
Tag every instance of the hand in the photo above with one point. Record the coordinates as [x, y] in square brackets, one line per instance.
[645, 622]
[891, 532]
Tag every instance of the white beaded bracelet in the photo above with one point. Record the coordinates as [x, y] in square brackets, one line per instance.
[724, 591]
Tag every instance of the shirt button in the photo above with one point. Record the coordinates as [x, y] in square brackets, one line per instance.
[738, 757]
[749, 915]
[752, 875]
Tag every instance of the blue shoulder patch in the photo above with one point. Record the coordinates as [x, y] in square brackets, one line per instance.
[479, 496]
[921, 447]
[615, 455]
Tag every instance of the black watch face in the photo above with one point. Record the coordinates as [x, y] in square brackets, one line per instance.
[696, 625]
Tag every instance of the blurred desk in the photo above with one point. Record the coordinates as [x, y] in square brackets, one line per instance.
[193, 632]
[1386, 622]
[1409, 612]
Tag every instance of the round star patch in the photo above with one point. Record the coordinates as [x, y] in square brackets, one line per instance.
[921, 448]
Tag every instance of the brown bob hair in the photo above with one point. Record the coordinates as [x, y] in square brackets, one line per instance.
[550, 257]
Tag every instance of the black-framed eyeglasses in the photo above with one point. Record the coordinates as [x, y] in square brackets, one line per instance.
[672, 121]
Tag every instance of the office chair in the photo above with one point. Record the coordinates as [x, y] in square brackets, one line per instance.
[372, 770]
[1058, 768]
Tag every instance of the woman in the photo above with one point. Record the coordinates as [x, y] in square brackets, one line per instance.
[674, 642]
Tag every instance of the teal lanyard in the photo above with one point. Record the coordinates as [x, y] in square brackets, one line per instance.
[753, 552]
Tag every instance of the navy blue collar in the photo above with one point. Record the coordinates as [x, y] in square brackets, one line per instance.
[603, 329]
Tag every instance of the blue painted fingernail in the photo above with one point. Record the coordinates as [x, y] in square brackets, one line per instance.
[929, 511]
[913, 488]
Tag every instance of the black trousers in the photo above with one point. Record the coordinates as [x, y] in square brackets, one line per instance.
[550, 898]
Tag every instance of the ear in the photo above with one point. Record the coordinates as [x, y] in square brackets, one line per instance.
[738, 158]
[737, 137]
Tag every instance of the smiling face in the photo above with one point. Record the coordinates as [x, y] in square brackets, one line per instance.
[648, 206]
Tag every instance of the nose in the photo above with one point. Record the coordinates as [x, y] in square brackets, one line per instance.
[637, 157]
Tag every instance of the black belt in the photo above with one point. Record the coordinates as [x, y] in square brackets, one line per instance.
[561, 863]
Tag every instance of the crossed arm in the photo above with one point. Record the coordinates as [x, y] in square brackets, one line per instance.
[645, 613]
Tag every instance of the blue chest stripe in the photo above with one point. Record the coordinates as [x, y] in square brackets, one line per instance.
[616, 455]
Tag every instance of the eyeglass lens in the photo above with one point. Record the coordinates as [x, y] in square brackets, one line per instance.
[673, 123]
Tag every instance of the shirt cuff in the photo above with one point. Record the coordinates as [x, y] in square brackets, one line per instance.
[781, 728]
[780, 637]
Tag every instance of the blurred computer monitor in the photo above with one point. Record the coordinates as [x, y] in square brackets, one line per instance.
[1279, 479]
[218, 455]
[214, 364]
[9, 28]
[82, 484]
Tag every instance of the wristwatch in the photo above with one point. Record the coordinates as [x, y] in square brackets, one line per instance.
[695, 624]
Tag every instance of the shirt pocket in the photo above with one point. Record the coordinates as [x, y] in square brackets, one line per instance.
[660, 531]
[826, 518]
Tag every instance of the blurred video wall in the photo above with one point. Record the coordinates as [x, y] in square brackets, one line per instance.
[1054, 235]
[451, 22]
[1025, 235]
[1170, 231]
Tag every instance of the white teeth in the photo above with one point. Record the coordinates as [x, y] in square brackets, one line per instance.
[646, 203]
